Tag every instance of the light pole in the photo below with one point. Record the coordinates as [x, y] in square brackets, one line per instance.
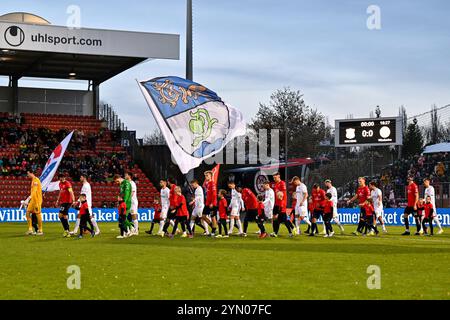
[189, 43]
[189, 61]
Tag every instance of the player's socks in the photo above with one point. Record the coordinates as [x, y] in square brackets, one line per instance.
[151, 228]
[225, 228]
[136, 225]
[437, 221]
[239, 225]
[276, 226]
[206, 226]
[245, 226]
[94, 223]
[198, 223]
[297, 225]
[77, 225]
[65, 224]
[407, 224]
[231, 226]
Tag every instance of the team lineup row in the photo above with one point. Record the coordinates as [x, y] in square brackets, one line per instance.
[211, 211]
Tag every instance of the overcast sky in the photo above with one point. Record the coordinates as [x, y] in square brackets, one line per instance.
[246, 49]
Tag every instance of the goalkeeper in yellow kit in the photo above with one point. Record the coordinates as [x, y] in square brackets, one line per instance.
[34, 205]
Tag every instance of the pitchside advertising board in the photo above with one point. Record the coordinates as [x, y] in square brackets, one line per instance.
[369, 132]
[393, 217]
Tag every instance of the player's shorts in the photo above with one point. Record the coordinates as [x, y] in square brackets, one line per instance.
[250, 214]
[317, 214]
[212, 212]
[134, 208]
[335, 212]
[282, 217]
[276, 210]
[410, 210]
[64, 209]
[379, 213]
[129, 217]
[362, 213]
[171, 215]
[327, 217]
[268, 213]
[235, 212]
[198, 212]
[301, 211]
[157, 216]
[164, 211]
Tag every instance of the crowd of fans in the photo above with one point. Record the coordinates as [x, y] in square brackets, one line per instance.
[35, 146]
[393, 178]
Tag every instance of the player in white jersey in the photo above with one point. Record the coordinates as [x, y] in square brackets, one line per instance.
[134, 203]
[377, 199]
[430, 192]
[269, 200]
[236, 206]
[165, 204]
[86, 189]
[198, 205]
[301, 205]
[334, 197]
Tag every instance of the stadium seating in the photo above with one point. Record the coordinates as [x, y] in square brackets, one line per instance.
[16, 188]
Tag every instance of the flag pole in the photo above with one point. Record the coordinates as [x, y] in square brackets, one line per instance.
[189, 63]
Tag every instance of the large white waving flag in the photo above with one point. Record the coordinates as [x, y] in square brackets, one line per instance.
[52, 165]
[194, 120]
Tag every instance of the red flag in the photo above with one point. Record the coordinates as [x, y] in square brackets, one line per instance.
[215, 174]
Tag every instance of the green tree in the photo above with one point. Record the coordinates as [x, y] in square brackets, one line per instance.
[413, 141]
[288, 112]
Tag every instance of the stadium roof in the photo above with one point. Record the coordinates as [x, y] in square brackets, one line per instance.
[31, 47]
[438, 148]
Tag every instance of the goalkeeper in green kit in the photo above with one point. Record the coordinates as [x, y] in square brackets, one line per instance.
[125, 193]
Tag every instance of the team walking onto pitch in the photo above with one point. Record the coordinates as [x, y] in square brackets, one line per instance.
[218, 212]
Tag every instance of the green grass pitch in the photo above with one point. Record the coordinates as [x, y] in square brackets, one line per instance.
[148, 267]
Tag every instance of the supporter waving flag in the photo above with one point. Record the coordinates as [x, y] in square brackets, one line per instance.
[52, 165]
[194, 120]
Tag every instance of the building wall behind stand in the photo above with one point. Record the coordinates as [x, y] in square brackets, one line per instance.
[51, 101]
[5, 100]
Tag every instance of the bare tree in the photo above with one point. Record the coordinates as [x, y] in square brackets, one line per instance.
[155, 138]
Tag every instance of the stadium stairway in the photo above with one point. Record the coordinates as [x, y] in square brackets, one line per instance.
[14, 189]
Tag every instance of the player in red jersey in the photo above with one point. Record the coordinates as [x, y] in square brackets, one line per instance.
[85, 217]
[261, 218]
[251, 207]
[211, 201]
[362, 194]
[369, 211]
[122, 213]
[328, 211]
[318, 198]
[223, 214]
[182, 215]
[279, 210]
[428, 216]
[413, 199]
[173, 202]
[65, 200]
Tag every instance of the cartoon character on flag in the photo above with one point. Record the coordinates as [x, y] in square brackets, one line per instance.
[194, 120]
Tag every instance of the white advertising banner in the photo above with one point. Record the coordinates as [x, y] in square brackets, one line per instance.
[49, 38]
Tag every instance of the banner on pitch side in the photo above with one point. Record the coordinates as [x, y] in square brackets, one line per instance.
[393, 217]
[51, 215]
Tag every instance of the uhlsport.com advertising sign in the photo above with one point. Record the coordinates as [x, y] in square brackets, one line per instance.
[393, 216]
